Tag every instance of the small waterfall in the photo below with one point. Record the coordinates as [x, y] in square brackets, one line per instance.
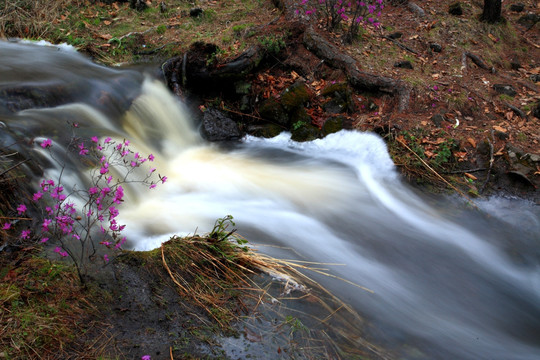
[448, 282]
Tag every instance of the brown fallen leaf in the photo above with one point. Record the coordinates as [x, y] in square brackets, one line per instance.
[493, 38]
[472, 142]
[498, 128]
[471, 176]
[107, 22]
[105, 36]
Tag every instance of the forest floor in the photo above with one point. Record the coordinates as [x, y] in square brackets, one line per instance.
[460, 131]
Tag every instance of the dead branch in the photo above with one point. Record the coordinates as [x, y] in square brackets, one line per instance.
[335, 58]
[478, 61]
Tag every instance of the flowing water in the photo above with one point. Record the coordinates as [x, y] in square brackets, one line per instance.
[448, 281]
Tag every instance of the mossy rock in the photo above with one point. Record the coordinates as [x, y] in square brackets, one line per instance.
[295, 96]
[341, 99]
[333, 125]
[299, 115]
[265, 130]
[272, 110]
[340, 88]
[306, 133]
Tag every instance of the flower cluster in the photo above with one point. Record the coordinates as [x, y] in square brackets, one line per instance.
[89, 216]
[337, 12]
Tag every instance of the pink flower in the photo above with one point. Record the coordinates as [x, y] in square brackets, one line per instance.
[82, 150]
[59, 251]
[104, 169]
[93, 190]
[46, 224]
[146, 357]
[46, 144]
[21, 209]
[435, 87]
[106, 258]
[44, 240]
[133, 163]
[37, 196]
[152, 170]
[151, 157]
[163, 179]
[6, 226]
[25, 234]
[152, 186]
[107, 140]
[109, 179]
[95, 139]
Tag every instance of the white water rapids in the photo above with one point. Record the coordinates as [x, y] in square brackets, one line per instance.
[452, 282]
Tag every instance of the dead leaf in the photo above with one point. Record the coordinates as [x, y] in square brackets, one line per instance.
[105, 36]
[509, 115]
[499, 152]
[436, 76]
[498, 128]
[493, 38]
[107, 22]
[472, 142]
[471, 176]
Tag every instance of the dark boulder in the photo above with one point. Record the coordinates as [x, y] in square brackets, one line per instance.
[306, 133]
[517, 7]
[272, 111]
[216, 126]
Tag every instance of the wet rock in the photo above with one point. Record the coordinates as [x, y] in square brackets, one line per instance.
[405, 64]
[299, 116]
[218, 127]
[437, 119]
[272, 110]
[519, 7]
[535, 78]
[435, 47]
[395, 35]
[295, 96]
[264, 130]
[340, 99]
[501, 135]
[333, 125]
[306, 133]
[505, 89]
[455, 9]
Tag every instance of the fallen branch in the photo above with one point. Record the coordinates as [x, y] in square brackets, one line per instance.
[335, 58]
[437, 174]
[465, 171]
[478, 61]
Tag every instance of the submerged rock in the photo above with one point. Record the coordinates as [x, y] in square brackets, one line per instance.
[306, 133]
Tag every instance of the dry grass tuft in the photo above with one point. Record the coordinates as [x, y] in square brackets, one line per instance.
[29, 18]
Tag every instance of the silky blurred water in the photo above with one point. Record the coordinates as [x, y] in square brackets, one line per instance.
[449, 281]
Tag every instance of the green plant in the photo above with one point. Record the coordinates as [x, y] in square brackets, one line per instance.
[220, 230]
[297, 125]
[272, 43]
[161, 29]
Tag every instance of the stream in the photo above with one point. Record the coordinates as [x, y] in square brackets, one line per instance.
[447, 280]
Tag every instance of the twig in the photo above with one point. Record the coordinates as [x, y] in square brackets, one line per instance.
[465, 171]
[241, 113]
[491, 160]
[401, 45]
[14, 166]
[150, 52]
[517, 111]
[438, 175]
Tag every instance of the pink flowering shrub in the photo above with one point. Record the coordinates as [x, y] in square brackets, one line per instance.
[347, 14]
[86, 218]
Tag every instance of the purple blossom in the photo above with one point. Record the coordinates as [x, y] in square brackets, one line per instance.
[95, 139]
[37, 196]
[46, 144]
[25, 234]
[21, 209]
[6, 226]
